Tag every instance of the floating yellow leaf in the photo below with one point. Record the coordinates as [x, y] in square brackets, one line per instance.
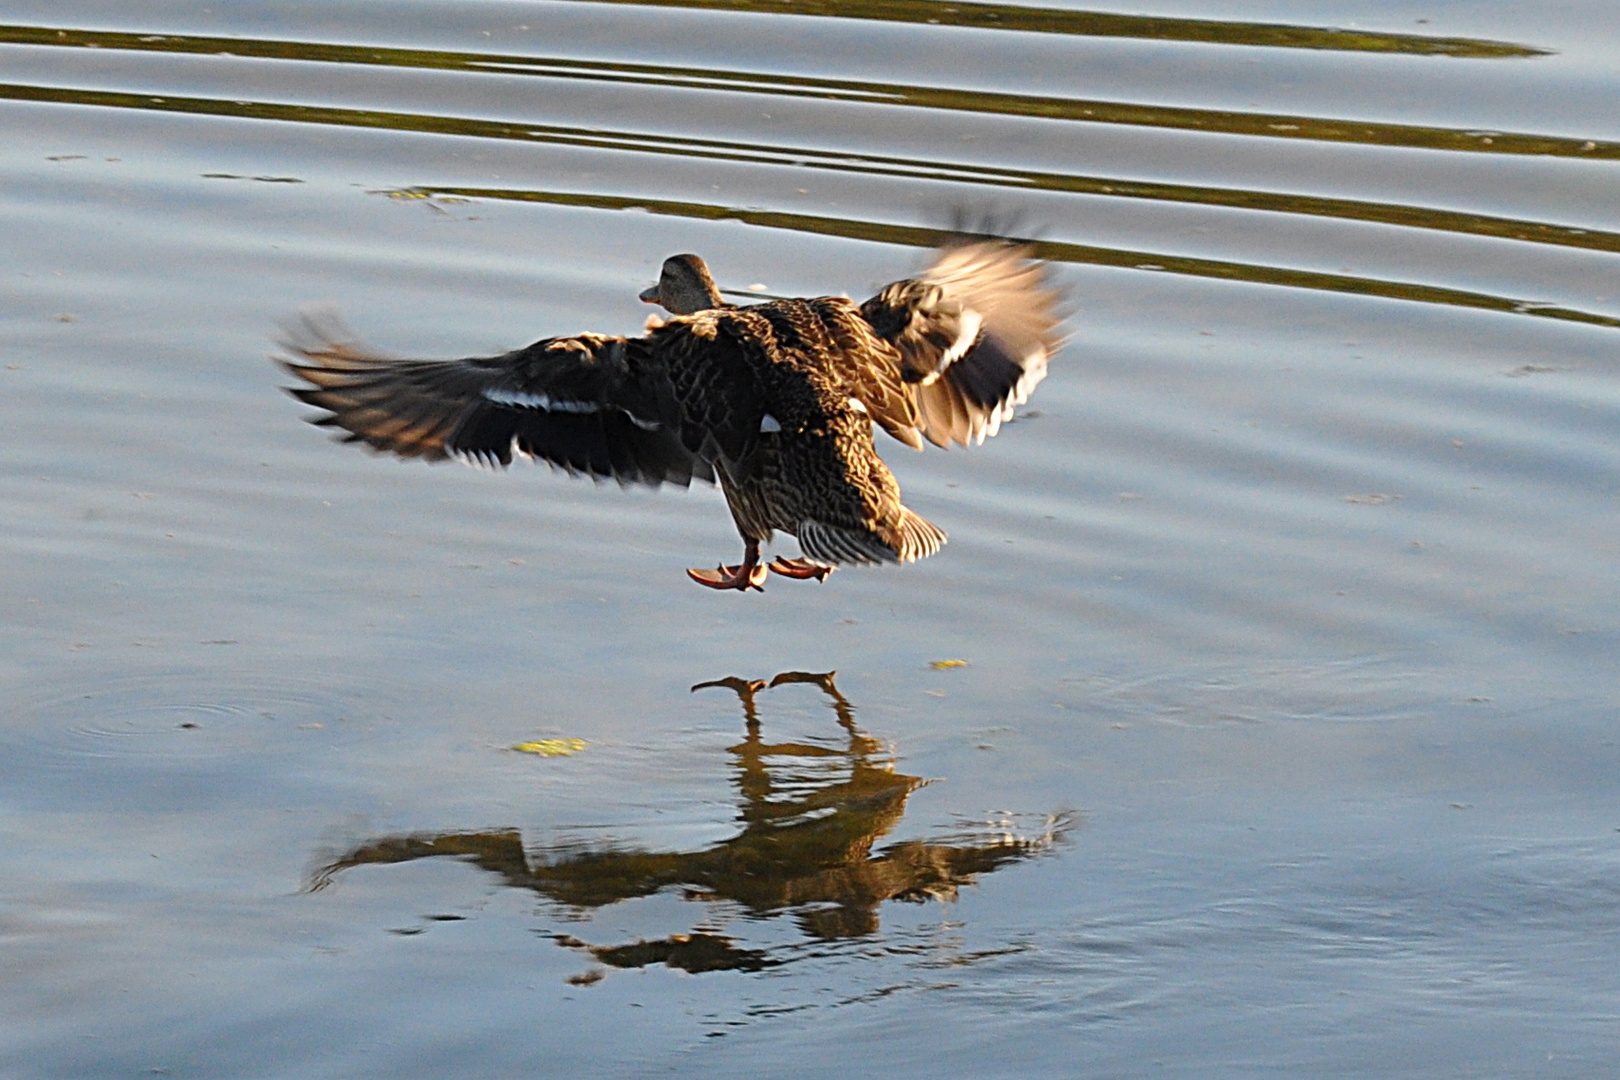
[551, 747]
[941, 665]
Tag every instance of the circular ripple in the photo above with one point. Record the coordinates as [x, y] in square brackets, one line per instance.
[187, 716]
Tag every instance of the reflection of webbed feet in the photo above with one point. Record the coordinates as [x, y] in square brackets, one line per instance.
[744, 577]
[745, 688]
[799, 568]
[823, 679]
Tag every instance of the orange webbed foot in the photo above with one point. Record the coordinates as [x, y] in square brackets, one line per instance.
[742, 577]
[799, 568]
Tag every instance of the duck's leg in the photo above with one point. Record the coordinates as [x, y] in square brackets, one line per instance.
[799, 568]
[750, 575]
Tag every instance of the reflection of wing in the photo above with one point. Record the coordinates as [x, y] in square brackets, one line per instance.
[821, 861]
[974, 333]
[602, 406]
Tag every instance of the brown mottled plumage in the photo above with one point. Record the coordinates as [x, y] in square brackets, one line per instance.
[775, 401]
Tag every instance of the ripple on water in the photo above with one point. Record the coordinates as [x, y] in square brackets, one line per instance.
[1289, 583]
[181, 717]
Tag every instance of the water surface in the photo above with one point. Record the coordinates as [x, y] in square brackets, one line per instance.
[1285, 740]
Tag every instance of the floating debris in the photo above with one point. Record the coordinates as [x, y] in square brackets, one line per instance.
[943, 665]
[551, 747]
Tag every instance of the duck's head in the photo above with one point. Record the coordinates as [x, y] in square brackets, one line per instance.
[684, 287]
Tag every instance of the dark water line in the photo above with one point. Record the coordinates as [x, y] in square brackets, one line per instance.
[706, 149]
[1039, 20]
[1260, 125]
[1405, 216]
[1052, 250]
[1416, 217]
[1048, 21]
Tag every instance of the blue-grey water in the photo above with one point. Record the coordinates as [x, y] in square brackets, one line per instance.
[1285, 741]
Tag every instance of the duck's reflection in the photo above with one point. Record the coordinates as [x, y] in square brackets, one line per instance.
[805, 847]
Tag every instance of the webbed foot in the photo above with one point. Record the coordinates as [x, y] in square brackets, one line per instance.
[800, 568]
[744, 577]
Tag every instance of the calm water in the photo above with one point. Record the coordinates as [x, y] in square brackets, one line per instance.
[1286, 738]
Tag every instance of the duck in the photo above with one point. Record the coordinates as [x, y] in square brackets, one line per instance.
[776, 402]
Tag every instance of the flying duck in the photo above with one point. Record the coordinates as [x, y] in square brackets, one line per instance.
[774, 401]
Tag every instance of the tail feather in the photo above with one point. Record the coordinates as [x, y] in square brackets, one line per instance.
[910, 538]
[919, 537]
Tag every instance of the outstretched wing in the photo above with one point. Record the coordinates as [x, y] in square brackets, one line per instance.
[589, 404]
[974, 334]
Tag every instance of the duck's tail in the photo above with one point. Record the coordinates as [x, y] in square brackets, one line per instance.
[909, 538]
[919, 537]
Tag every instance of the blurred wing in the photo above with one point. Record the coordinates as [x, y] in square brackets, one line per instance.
[974, 334]
[586, 404]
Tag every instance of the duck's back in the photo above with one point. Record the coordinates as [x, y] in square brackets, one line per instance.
[787, 358]
[774, 389]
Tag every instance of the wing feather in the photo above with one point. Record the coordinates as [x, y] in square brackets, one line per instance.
[973, 335]
[594, 405]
